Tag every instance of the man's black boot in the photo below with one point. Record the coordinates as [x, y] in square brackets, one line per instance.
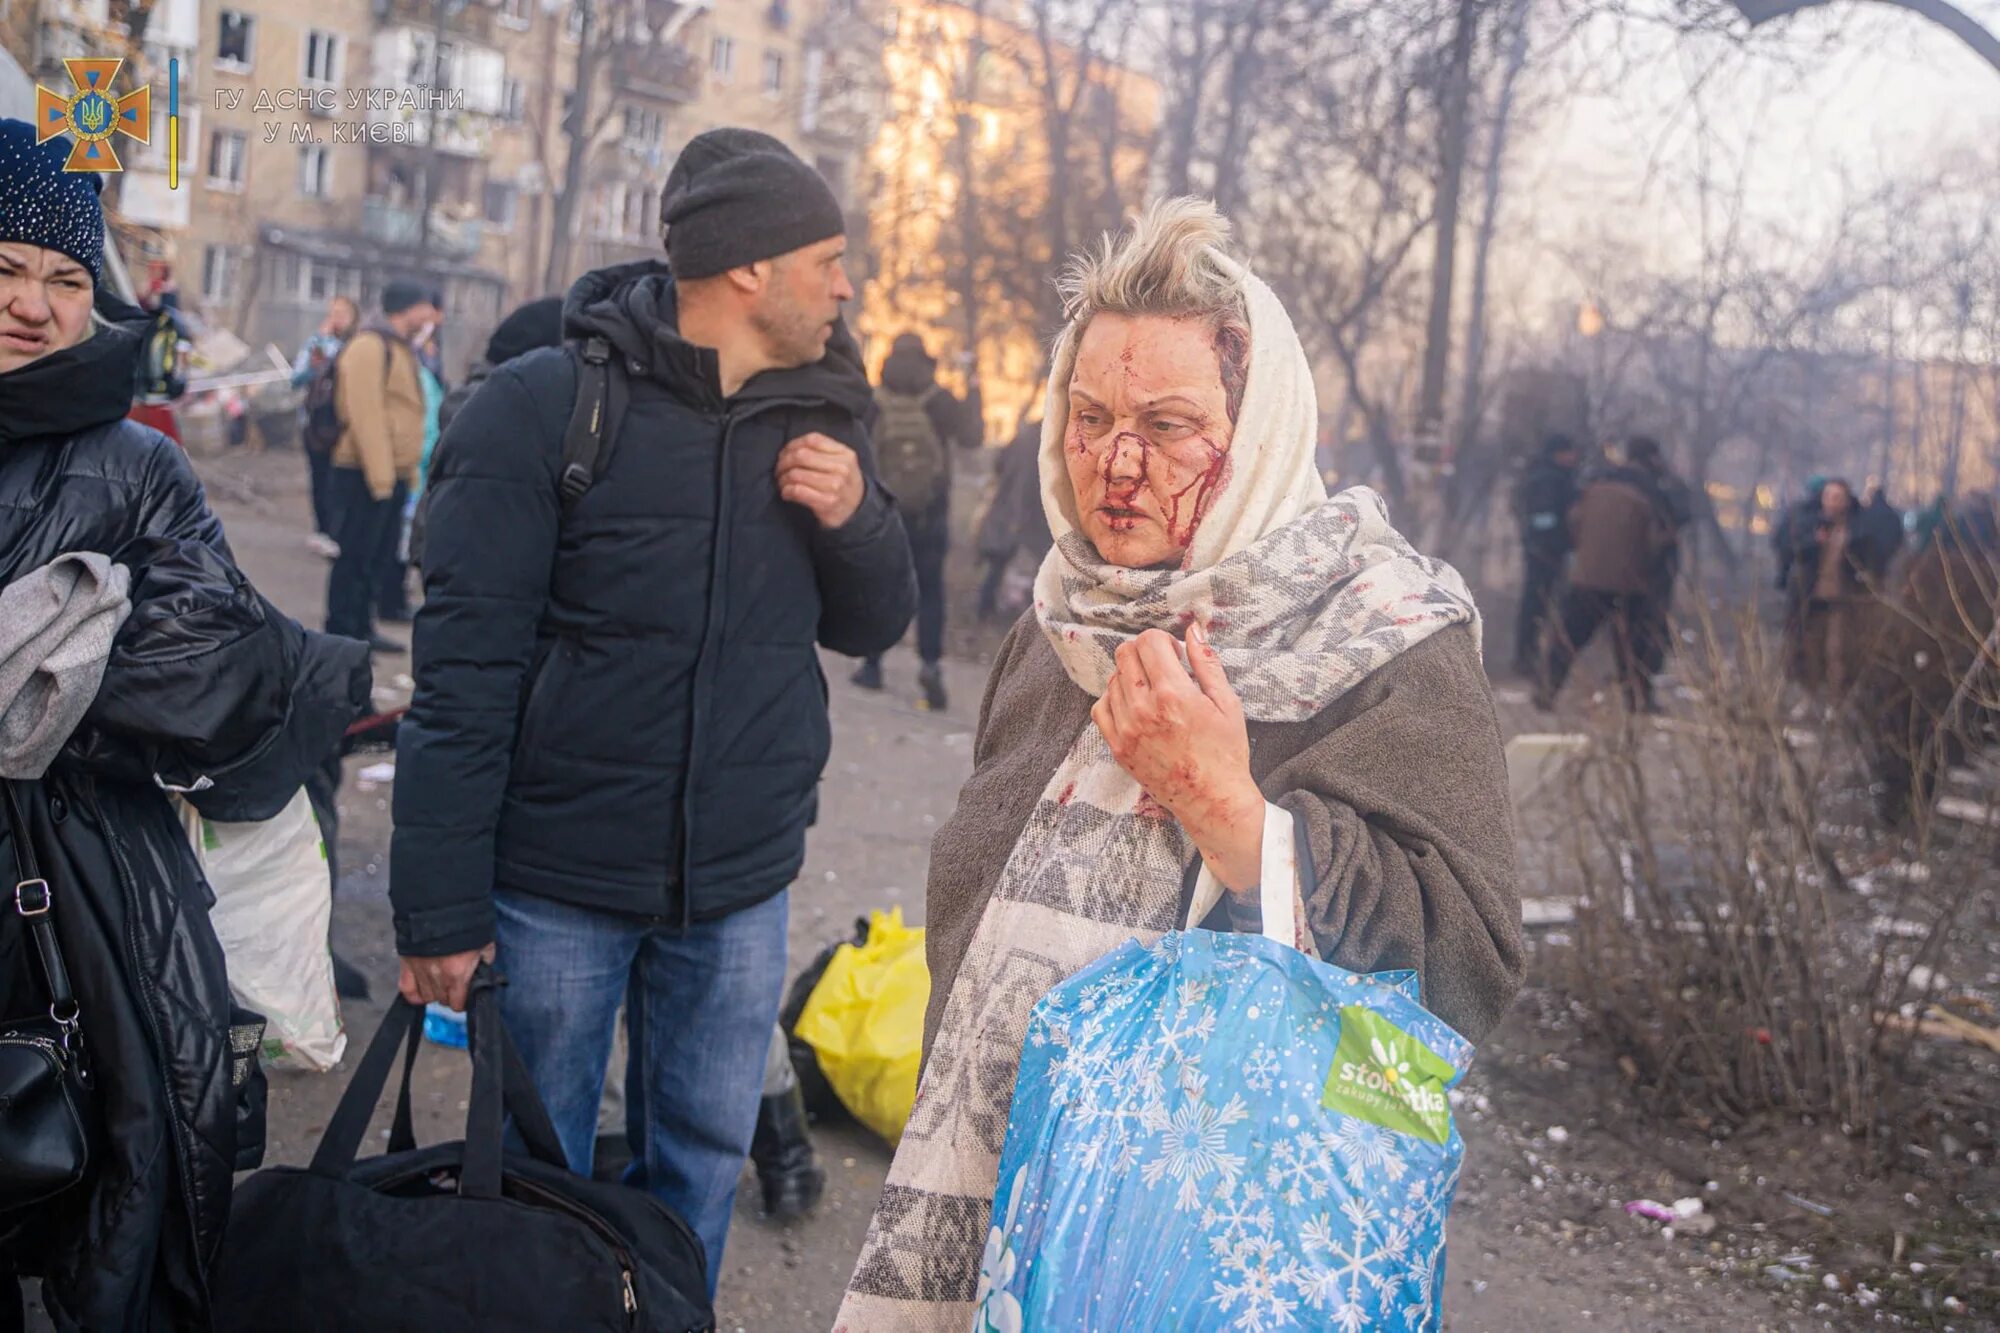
[931, 680]
[787, 1167]
[869, 675]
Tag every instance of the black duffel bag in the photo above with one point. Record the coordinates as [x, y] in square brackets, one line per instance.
[471, 1235]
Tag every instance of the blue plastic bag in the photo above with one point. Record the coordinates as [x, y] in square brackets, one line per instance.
[1219, 1132]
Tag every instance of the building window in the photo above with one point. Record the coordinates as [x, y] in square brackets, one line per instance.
[774, 74]
[235, 40]
[573, 27]
[219, 271]
[722, 58]
[321, 281]
[643, 127]
[501, 200]
[322, 57]
[315, 171]
[226, 151]
[433, 68]
[512, 101]
[517, 13]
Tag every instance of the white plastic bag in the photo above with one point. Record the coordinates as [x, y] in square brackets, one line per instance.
[273, 903]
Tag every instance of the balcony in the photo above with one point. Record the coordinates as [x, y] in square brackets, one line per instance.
[398, 228]
[664, 73]
[460, 17]
[459, 133]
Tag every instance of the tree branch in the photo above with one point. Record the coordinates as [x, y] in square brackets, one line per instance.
[1947, 16]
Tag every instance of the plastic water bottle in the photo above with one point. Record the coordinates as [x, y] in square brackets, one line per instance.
[443, 1026]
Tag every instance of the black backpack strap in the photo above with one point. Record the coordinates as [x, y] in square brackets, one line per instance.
[593, 422]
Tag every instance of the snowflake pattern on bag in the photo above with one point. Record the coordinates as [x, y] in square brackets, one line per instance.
[1174, 1123]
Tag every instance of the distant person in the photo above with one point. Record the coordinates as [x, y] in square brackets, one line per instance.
[917, 425]
[312, 371]
[1542, 500]
[1015, 521]
[1919, 651]
[1620, 531]
[537, 323]
[526, 328]
[381, 404]
[1883, 523]
[1831, 562]
[1676, 502]
[1803, 511]
[392, 597]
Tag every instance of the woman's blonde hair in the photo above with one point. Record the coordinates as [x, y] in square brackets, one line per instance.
[1167, 263]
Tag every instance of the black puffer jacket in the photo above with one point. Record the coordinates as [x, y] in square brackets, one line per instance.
[1542, 500]
[623, 708]
[210, 689]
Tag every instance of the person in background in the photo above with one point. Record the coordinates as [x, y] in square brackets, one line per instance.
[1014, 520]
[381, 406]
[1832, 562]
[1542, 498]
[314, 362]
[1619, 530]
[527, 327]
[918, 423]
[392, 599]
[1886, 535]
[1784, 539]
[186, 680]
[615, 746]
[537, 323]
[1676, 502]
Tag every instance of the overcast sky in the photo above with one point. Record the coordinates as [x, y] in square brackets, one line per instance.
[1860, 89]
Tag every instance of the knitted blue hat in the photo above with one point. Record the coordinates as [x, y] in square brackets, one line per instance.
[41, 204]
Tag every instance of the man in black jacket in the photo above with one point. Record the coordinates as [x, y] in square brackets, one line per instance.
[1542, 499]
[615, 744]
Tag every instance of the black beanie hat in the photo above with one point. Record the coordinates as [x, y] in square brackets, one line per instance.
[41, 204]
[401, 294]
[536, 324]
[737, 196]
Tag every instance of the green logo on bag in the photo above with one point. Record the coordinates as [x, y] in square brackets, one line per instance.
[1383, 1075]
[210, 840]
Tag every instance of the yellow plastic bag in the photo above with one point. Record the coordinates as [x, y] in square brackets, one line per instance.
[865, 1022]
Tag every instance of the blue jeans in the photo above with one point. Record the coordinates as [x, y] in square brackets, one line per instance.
[701, 1009]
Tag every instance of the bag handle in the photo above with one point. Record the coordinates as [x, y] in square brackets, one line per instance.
[33, 900]
[402, 1025]
[1286, 859]
[501, 1087]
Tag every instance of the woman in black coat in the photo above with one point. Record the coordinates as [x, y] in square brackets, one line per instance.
[209, 691]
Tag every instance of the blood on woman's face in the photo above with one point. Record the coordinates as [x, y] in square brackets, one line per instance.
[1147, 444]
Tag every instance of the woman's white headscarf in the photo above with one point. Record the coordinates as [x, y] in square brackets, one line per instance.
[1272, 475]
[1275, 573]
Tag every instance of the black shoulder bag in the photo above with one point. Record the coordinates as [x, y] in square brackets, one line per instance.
[44, 1083]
